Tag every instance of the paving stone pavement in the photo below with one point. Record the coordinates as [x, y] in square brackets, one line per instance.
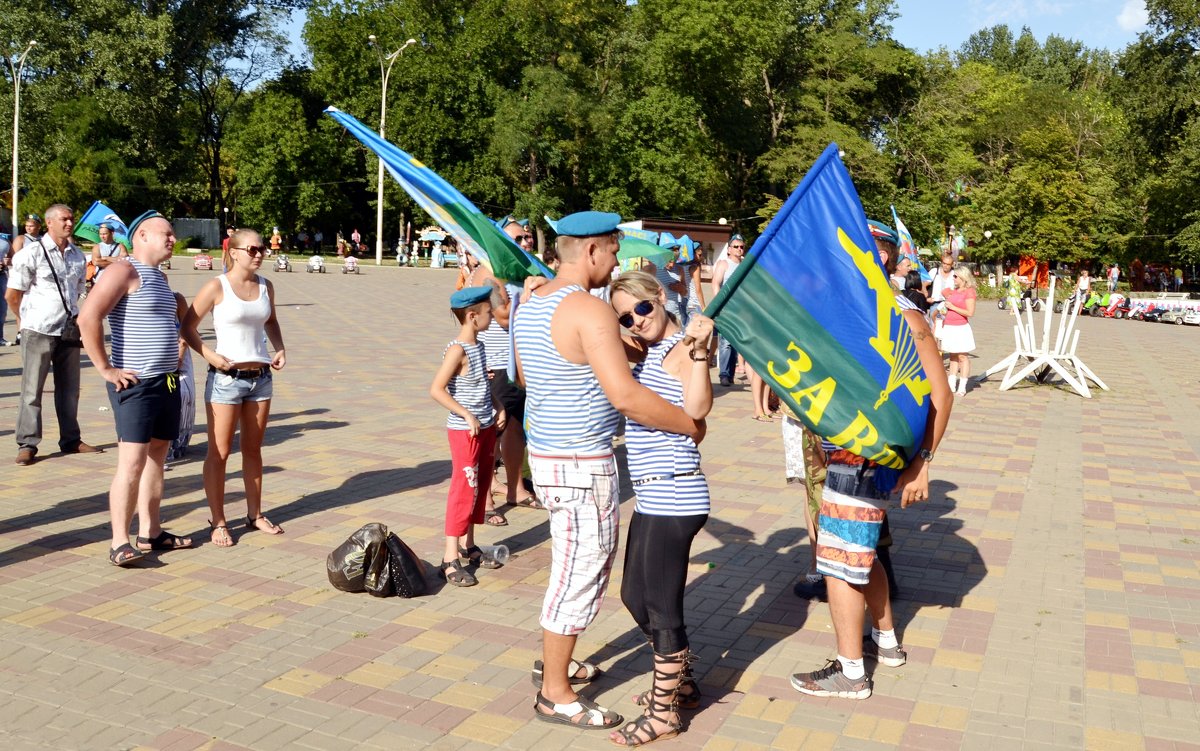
[1051, 595]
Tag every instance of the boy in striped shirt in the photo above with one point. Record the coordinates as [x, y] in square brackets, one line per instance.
[461, 386]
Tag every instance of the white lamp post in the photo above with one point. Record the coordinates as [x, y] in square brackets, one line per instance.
[16, 71]
[384, 72]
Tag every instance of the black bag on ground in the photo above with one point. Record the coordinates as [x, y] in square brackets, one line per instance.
[361, 562]
[406, 569]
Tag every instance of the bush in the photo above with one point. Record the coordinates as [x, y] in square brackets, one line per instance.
[182, 244]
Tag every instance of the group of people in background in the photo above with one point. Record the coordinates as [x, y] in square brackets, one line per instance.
[147, 373]
[586, 350]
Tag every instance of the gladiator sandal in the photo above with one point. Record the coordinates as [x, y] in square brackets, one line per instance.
[688, 695]
[661, 705]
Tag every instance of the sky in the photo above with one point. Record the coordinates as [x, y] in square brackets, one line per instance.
[925, 25]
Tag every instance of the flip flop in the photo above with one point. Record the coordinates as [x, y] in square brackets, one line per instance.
[529, 501]
[125, 555]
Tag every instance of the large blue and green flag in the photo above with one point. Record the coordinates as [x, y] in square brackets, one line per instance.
[448, 207]
[811, 309]
[89, 225]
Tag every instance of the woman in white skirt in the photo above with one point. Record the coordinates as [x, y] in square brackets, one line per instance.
[957, 339]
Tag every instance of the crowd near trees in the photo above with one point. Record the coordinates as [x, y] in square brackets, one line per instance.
[678, 108]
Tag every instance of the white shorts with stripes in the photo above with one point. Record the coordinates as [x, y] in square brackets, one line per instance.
[582, 497]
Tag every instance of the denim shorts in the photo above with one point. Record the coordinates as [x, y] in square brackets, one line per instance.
[222, 388]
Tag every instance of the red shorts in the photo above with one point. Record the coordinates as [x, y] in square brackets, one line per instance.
[474, 460]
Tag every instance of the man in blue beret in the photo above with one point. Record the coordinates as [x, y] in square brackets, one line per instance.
[577, 380]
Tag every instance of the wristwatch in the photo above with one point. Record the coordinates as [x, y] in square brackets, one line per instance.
[927, 455]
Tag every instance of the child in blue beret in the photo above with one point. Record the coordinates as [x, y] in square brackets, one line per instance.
[461, 386]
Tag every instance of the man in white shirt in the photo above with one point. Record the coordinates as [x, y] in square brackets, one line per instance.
[943, 279]
[44, 288]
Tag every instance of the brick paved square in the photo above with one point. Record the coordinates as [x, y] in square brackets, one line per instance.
[1051, 596]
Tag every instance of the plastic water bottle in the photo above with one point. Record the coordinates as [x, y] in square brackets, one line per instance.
[497, 553]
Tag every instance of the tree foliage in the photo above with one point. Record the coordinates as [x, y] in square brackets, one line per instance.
[685, 108]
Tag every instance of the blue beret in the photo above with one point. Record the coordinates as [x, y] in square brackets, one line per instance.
[468, 296]
[588, 224]
[881, 231]
[151, 214]
[667, 240]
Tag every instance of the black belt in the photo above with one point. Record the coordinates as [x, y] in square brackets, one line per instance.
[256, 373]
[656, 478]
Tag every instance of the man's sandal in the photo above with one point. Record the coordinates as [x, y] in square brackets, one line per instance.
[125, 555]
[494, 518]
[581, 713]
[272, 527]
[590, 672]
[220, 535]
[456, 575]
[164, 541]
[475, 557]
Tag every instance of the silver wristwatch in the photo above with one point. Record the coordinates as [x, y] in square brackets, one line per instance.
[927, 455]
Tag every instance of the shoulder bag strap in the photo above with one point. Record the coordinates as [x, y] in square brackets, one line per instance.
[57, 284]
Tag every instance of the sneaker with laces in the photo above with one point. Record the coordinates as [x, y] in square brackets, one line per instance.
[893, 657]
[831, 681]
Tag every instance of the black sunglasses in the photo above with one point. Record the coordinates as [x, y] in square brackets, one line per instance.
[253, 249]
[642, 309]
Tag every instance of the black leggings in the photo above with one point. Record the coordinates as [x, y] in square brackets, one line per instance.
[656, 559]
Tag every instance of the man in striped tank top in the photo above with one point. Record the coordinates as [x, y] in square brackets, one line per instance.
[573, 364]
[142, 381]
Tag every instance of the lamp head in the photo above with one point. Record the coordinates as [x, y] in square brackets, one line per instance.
[371, 38]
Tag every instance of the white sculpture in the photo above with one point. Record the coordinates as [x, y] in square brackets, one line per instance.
[1040, 360]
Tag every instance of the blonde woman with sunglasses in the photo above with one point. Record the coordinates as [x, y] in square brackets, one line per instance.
[240, 385]
[672, 497]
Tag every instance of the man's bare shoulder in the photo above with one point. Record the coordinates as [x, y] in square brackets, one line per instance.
[581, 307]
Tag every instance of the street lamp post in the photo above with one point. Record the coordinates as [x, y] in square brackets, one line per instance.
[384, 72]
[16, 74]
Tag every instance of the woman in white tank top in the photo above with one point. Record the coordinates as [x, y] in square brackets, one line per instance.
[239, 387]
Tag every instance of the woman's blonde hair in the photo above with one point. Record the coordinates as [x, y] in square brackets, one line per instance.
[640, 285]
[968, 279]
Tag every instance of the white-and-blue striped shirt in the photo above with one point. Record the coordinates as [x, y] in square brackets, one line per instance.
[658, 454]
[495, 344]
[472, 390]
[566, 411]
[145, 335]
[666, 277]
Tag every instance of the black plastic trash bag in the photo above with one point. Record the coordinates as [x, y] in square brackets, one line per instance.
[407, 570]
[361, 562]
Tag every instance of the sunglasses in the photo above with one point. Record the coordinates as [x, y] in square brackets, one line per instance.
[257, 250]
[642, 309]
[523, 239]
